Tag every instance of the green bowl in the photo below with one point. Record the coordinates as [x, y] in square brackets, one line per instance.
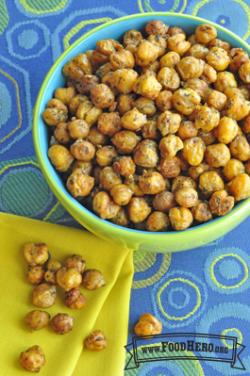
[135, 239]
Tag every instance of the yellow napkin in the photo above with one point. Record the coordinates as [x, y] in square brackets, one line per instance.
[107, 308]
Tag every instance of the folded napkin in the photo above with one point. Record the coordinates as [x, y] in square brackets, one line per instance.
[107, 308]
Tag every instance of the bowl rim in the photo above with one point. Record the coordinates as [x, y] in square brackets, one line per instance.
[71, 202]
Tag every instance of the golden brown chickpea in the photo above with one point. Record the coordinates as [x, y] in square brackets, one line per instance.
[145, 154]
[125, 102]
[104, 206]
[185, 100]
[170, 145]
[240, 148]
[178, 43]
[205, 33]
[76, 101]
[168, 78]
[124, 166]
[95, 341]
[164, 100]
[36, 253]
[198, 50]
[148, 86]
[152, 68]
[60, 157]
[157, 221]
[195, 171]
[132, 182]
[247, 167]
[208, 137]
[190, 67]
[193, 151]
[170, 167]
[74, 299]
[50, 277]
[149, 130]
[200, 86]
[233, 168]
[65, 94]
[53, 265]
[209, 74]
[133, 120]
[85, 167]
[122, 59]
[32, 359]
[105, 155]
[216, 99]
[180, 218]
[103, 70]
[244, 72]
[109, 123]
[237, 108]
[227, 130]
[218, 58]
[35, 274]
[240, 187]
[209, 182]
[224, 81]
[92, 116]
[93, 279]
[77, 67]
[132, 38]
[55, 112]
[201, 212]
[147, 325]
[217, 155]
[37, 319]
[75, 261]
[62, 323]
[207, 118]
[44, 295]
[82, 150]
[108, 46]
[79, 184]
[121, 218]
[124, 80]
[192, 39]
[78, 128]
[160, 42]
[138, 209]
[173, 30]
[97, 58]
[187, 130]
[61, 133]
[146, 53]
[109, 178]
[168, 122]
[102, 96]
[182, 182]
[86, 83]
[68, 278]
[246, 125]
[145, 106]
[164, 201]
[121, 194]
[125, 141]
[238, 57]
[219, 43]
[96, 137]
[186, 197]
[152, 183]
[170, 59]
[220, 203]
[156, 27]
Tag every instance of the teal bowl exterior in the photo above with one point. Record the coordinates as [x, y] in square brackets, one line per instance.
[149, 241]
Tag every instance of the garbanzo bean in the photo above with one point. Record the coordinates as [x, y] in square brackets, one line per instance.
[164, 201]
[68, 278]
[244, 72]
[164, 100]
[185, 100]
[156, 27]
[180, 218]
[37, 319]
[152, 183]
[147, 325]
[170, 59]
[246, 125]
[186, 197]
[168, 78]
[233, 168]
[96, 137]
[216, 99]
[217, 155]
[145, 154]
[209, 182]
[132, 182]
[132, 38]
[209, 74]
[55, 112]
[124, 80]
[247, 167]
[170, 145]
[196, 171]
[32, 359]
[79, 184]
[107, 46]
[125, 102]
[238, 57]
[104, 206]
[173, 30]
[221, 203]
[74, 299]
[121, 218]
[219, 43]
[227, 130]
[95, 341]
[200, 86]
[240, 187]
[157, 221]
[147, 85]
[121, 194]
[168, 122]
[240, 148]
[205, 33]
[146, 53]
[193, 150]
[124, 166]
[43, 295]
[133, 120]
[36, 253]
[105, 155]
[109, 123]
[190, 67]
[78, 128]
[85, 84]
[237, 108]
[61, 133]
[150, 130]
[65, 94]
[218, 58]
[170, 167]
[183, 182]
[62, 323]
[102, 96]
[83, 150]
[109, 178]
[207, 118]
[178, 43]
[145, 105]
[224, 81]
[122, 59]
[201, 212]
[35, 274]
[198, 50]
[125, 141]
[160, 42]
[93, 279]
[138, 209]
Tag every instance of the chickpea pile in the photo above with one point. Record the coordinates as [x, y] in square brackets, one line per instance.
[153, 132]
[47, 274]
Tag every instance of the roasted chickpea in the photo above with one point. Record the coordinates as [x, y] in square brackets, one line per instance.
[246, 125]
[192, 39]
[146, 106]
[108, 46]
[147, 325]
[168, 122]
[152, 68]
[124, 80]
[238, 57]
[186, 197]
[224, 81]
[152, 183]
[201, 212]
[156, 27]
[60, 157]
[196, 171]
[146, 53]
[180, 218]
[62, 323]
[102, 96]
[200, 86]
[78, 128]
[76, 68]
[209, 74]
[125, 102]
[185, 100]
[95, 341]
[182, 182]
[75, 261]
[79, 184]
[74, 299]
[217, 155]
[170, 167]
[198, 50]
[121, 218]
[121, 194]
[124, 166]
[93, 279]
[148, 86]
[221, 203]
[92, 116]
[208, 137]
[170, 145]
[145, 154]
[240, 187]
[36, 253]
[104, 206]
[205, 33]
[83, 109]
[170, 59]
[190, 67]
[68, 278]
[36, 320]
[247, 167]
[132, 182]
[216, 99]
[109, 178]
[133, 120]
[65, 94]
[227, 130]
[218, 58]
[85, 167]
[83, 150]
[32, 359]
[157, 221]
[164, 100]
[44, 295]
[96, 137]
[50, 277]
[168, 78]
[138, 209]
[209, 182]
[86, 83]
[207, 118]
[35, 274]
[125, 141]
[187, 130]
[193, 150]
[237, 108]
[105, 155]
[164, 201]
[244, 72]
[76, 101]
[233, 168]
[122, 59]
[178, 43]
[219, 43]
[150, 130]
[61, 133]
[53, 265]
[240, 148]
[55, 112]
[173, 30]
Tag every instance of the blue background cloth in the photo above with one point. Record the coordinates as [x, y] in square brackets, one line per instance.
[205, 290]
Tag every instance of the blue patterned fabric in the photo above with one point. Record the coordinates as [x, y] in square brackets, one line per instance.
[205, 290]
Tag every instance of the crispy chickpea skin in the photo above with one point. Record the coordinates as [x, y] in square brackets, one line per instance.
[43, 295]
[201, 212]
[240, 148]
[75, 261]
[187, 130]
[186, 197]
[74, 299]
[168, 78]
[35, 274]
[133, 120]
[240, 187]
[185, 100]
[216, 99]
[61, 133]
[146, 53]
[125, 141]
[193, 150]
[170, 145]
[205, 33]
[221, 203]
[138, 209]
[207, 118]
[83, 150]
[105, 155]
[148, 86]
[157, 221]
[218, 58]
[32, 359]
[95, 341]
[190, 67]
[178, 43]
[209, 182]
[217, 155]
[233, 168]
[164, 100]
[79, 184]
[36, 253]
[124, 166]
[55, 112]
[145, 105]
[145, 154]
[37, 319]
[78, 128]
[147, 325]
[93, 279]
[65, 94]
[180, 218]
[60, 157]
[198, 50]
[109, 123]
[170, 167]
[109, 178]
[121, 194]
[68, 278]
[62, 323]
[168, 122]
[244, 72]
[164, 201]
[152, 182]
[150, 130]
[124, 80]
[104, 206]
[102, 96]
[227, 130]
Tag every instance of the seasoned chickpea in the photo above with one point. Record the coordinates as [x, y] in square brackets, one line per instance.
[148, 86]
[122, 59]
[224, 81]
[168, 122]
[246, 125]
[205, 33]
[227, 130]
[233, 168]
[68, 278]
[247, 167]
[198, 50]
[217, 155]
[216, 99]
[65, 94]
[93, 279]
[85, 167]
[53, 265]
[164, 100]
[95, 341]
[50, 277]
[240, 187]
[96, 137]
[98, 58]
[221, 203]
[152, 183]
[152, 68]
[180, 218]
[124, 166]
[150, 130]
[193, 151]
[132, 38]
[62, 323]
[164, 201]
[145, 154]
[60, 157]
[36, 253]
[75, 261]
[55, 112]
[74, 299]
[209, 74]
[185, 100]
[173, 30]
[133, 120]
[190, 67]
[170, 59]
[145, 105]
[125, 80]
[238, 57]
[218, 58]
[187, 130]
[92, 116]
[121, 218]
[182, 182]
[132, 182]
[156, 27]
[109, 178]
[138, 209]
[86, 83]
[219, 43]
[240, 148]
[125, 141]
[44, 295]
[35, 274]
[146, 53]
[170, 145]
[78, 128]
[102, 96]
[32, 359]
[201, 212]
[121, 194]
[237, 108]
[82, 150]
[200, 86]
[186, 197]
[178, 43]
[209, 182]
[79, 184]
[157, 221]
[76, 101]
[161, 43]
[147, 325]
[37, 319]
[125, 102]
[170, 167]
[207, 118]
[76, 68]
[244, 72]
[168, 78]
[192, 39]
[208, 137]
[105, 155]
[61, 133]
[104, 206]
[108, 46]
[196, 171]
